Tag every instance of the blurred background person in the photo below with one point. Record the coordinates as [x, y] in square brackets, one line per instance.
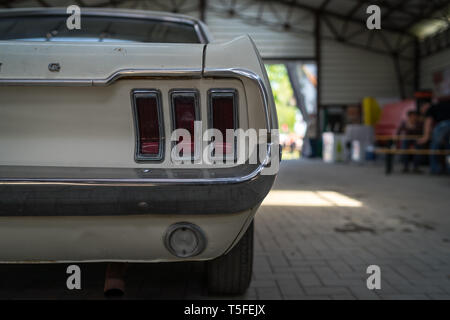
[412, 126]
[436, 130]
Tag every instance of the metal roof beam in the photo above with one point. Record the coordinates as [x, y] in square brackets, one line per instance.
[333, 14]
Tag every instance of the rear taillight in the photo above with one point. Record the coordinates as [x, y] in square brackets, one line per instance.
[223, 116]
[184, 113]
[149, 124]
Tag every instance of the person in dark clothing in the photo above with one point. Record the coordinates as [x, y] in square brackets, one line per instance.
[437, 115]
[410, 127]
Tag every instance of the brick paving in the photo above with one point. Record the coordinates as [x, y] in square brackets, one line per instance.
[315, 251]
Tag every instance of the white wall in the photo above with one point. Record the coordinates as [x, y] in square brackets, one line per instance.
[350, 74]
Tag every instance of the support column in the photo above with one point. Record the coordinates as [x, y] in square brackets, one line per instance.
[318, 57]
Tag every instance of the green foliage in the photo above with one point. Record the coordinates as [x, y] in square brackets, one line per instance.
[283, 95]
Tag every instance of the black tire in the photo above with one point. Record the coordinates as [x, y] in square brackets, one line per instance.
[231, 273]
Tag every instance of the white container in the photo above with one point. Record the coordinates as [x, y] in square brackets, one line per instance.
[333, 147]
[361, 137]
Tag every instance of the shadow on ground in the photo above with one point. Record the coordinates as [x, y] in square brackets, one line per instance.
[143, 281]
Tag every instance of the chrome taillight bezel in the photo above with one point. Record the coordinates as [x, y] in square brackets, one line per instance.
[173, 94]
[219, 92]
[153, 93]
[224, 92]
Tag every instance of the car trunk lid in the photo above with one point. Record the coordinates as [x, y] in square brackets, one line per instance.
[93, 63]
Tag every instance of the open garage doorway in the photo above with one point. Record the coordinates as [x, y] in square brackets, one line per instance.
[294, 87]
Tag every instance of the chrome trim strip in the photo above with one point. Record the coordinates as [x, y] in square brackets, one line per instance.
[146, 182]
[202, 36]
[152, 93]
[47, 82]
[191, 73]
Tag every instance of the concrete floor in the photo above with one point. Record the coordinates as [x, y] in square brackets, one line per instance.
[316, 234]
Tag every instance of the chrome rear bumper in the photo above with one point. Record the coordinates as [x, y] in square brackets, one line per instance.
[56, 191]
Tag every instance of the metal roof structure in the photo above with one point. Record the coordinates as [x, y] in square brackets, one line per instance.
[397, 15]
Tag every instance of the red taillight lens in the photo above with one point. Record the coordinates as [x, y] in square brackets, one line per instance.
[149, 124]
[223, 115]
[184, 109]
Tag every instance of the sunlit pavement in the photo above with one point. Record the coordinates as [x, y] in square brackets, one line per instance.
[316, 234]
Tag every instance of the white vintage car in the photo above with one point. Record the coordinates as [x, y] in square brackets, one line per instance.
[87, 167]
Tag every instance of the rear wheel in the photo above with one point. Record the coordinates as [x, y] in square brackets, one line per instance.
[231, 273]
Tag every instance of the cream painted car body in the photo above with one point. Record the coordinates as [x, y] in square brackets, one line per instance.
[70, 186]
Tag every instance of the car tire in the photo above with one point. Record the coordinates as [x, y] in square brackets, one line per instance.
[231, 273]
